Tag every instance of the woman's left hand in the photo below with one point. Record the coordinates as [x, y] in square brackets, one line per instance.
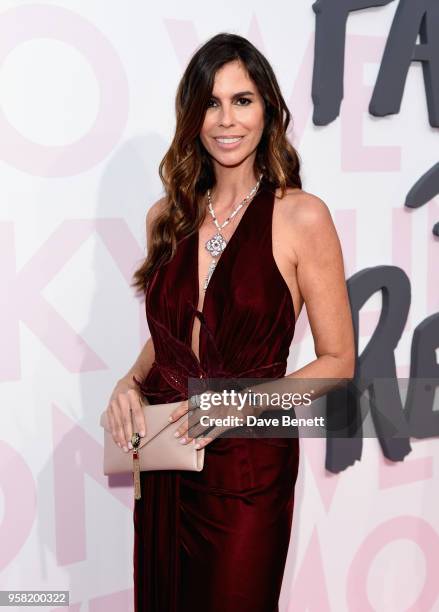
[214, 412]
[181, 434]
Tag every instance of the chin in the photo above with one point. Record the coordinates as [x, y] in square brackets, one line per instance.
[230, 159]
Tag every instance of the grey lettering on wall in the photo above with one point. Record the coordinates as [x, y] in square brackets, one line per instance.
[412, 18]
[424, 380]
[329, 51]
[395, 422]
[424, 190]
[377, 361]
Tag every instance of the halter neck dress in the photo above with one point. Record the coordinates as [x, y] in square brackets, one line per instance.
[217, 540]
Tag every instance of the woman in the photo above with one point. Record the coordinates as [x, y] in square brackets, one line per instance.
[226, 306]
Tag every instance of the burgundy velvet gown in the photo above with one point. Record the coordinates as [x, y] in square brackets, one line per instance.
[217, 540]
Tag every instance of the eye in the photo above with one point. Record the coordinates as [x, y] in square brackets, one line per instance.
[245, 100]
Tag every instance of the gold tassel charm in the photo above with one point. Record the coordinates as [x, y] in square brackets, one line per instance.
[135, 441]
[136, 475]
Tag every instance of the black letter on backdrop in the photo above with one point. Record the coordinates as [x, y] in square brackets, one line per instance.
[422, 416]
[377, 361]
[411, 18]
[329, 48]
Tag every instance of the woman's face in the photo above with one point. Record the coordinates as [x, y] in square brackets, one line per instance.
[235, 112]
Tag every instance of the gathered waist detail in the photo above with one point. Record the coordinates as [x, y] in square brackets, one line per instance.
[177, 377]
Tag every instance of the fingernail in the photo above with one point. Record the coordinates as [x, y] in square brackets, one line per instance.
[197, 445]
[125, 449]
[130, 446]
[142, 434]
[183, 441]
[171, 418]
[177, 434]
[119, 445]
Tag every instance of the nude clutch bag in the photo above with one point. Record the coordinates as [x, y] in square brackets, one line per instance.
[158, 450]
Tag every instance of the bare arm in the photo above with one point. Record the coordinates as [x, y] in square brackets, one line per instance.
[124, 400]
[321, 278]
[141, 366]
[144, 361]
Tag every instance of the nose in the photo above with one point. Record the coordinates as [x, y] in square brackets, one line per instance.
[226, 117]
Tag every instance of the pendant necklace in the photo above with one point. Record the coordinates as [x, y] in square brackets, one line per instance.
[216, 245]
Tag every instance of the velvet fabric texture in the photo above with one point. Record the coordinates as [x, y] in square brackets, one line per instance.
[217, 540]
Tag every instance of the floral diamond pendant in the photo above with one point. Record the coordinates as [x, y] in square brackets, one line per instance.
[216, 245]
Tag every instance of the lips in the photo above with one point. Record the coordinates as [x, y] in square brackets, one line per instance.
[228, 142]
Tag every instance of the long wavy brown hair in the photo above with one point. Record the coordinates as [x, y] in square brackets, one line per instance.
[187, 171]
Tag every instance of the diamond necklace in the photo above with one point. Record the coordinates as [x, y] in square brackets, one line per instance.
[216, 245]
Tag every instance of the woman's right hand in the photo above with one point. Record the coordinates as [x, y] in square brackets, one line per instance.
[125, 401]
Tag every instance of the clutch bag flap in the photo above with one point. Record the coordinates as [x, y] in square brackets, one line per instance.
[158, 450]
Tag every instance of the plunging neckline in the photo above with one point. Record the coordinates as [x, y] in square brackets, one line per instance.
[201, 312]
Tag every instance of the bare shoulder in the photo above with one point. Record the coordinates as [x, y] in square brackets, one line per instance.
[304, 224]
[153, 212]
[156, 209]
[303, 209]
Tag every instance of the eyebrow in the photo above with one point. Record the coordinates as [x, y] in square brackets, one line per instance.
[236, 95]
